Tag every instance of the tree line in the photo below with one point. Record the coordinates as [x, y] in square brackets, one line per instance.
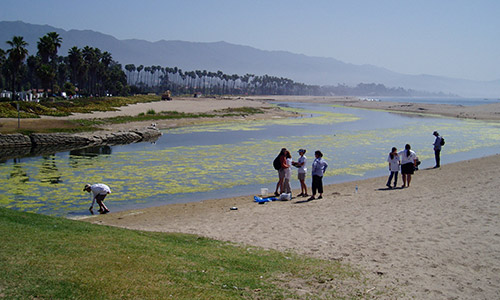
[91, 72]
[158, 79]
[87, 71]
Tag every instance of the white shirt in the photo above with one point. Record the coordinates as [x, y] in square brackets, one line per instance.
[393, 162]
[407, 159]
[100, 189]
[288, 171]
[302, 160]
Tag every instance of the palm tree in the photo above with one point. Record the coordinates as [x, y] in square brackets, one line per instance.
[44, 49]
[2, 63]
[106, 59]
[91, 58]
[130, 68]
[147, 70]
[17, 55]
[46, 75]
[55, 42]
[75, 61]
[47, 50]
[139, 69]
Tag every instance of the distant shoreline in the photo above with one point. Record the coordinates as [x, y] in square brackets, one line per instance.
[486, 112]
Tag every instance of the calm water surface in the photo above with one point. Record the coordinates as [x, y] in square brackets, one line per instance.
[442, 100]
[234, 158]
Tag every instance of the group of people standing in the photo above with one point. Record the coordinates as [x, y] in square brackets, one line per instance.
[407, 160]
[283, 164]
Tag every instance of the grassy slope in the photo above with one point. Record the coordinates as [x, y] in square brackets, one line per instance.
[45, 257]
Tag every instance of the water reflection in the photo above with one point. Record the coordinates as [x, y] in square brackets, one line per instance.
[91, 151]
[48, 171]
[18, 174]
[219, 160]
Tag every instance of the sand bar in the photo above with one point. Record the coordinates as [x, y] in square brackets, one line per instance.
[480, 112]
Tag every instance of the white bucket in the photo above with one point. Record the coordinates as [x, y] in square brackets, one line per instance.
[285, 197]
[263, 192]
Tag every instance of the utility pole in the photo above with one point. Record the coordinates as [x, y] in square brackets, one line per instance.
[18, 116]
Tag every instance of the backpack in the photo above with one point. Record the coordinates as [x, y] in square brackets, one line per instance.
[442, 141]
[277, 163]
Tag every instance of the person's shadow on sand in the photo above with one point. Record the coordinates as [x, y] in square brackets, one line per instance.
[390, 189]
[302, 201]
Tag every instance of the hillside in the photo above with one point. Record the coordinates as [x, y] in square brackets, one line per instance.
[238, 59]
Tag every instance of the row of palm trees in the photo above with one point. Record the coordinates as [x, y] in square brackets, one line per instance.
[88, 71]
[157, 79]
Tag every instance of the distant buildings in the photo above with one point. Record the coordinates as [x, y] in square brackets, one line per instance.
[30, 95]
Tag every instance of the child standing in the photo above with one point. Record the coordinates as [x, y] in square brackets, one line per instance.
[301, 172]
[394, 163]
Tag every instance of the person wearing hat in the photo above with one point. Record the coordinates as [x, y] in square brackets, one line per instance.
[99, 192]
[437, 149]
[301, 172]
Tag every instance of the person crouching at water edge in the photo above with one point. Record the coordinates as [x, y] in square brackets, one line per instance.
[408, 164]
[319, 166]
[99, 192]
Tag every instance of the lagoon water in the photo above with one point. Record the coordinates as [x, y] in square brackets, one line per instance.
[442, 100]
[235, 158]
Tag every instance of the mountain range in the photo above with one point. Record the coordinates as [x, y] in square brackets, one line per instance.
[238, 59]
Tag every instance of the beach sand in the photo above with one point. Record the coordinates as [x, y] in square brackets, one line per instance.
[437, 239]
[183, 105]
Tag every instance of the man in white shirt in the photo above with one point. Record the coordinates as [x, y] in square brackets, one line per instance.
[99, 192]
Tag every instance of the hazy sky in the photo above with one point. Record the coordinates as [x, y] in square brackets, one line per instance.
[454, 38]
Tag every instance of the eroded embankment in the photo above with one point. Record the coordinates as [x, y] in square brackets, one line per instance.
[19, 145]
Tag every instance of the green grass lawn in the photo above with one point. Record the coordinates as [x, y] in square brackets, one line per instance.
[43, 257]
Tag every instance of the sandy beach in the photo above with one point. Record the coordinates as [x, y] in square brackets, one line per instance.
[184, 105]
[437, 239]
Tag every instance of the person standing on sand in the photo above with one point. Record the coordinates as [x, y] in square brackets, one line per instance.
[408, 164]
[301, 172]
[287, 188]
[394, 163]
[99, 192]
[278, 165]
[437, 149]
[319, 166]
